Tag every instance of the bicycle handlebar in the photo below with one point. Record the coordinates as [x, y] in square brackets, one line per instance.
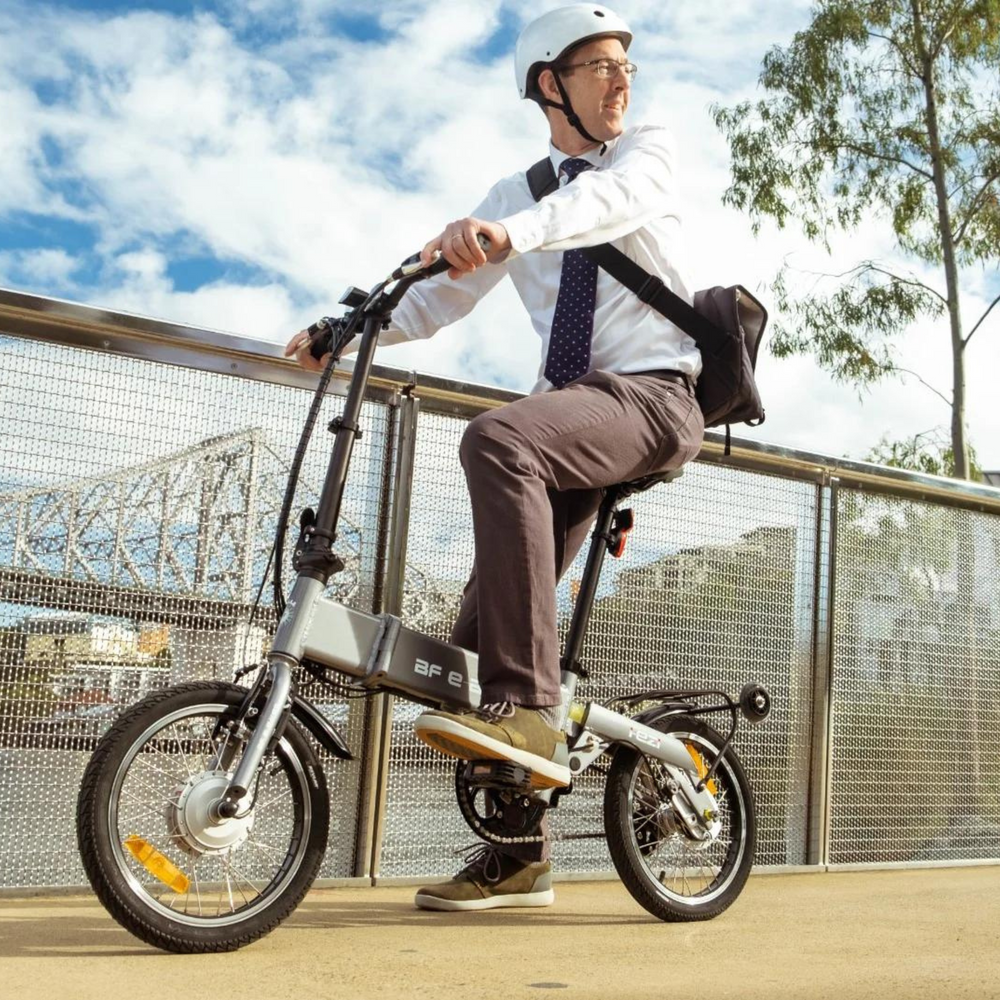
[323, 332]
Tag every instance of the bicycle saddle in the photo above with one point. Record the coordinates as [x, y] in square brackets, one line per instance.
[646, 482]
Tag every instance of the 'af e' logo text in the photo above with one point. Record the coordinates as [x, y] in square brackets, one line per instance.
[425, 669]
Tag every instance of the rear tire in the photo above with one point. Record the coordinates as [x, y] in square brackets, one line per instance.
[150, 778]
[673, 876]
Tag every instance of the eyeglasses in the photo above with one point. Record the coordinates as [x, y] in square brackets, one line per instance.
[607, 69]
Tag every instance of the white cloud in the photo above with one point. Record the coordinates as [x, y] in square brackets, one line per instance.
[141, 285]
[41, 267]
[321, 161]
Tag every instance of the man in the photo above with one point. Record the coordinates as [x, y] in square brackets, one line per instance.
[614, 401]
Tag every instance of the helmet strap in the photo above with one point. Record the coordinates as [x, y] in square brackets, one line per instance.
[567, 109]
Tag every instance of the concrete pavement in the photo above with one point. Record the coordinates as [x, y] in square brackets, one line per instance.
[904, 935]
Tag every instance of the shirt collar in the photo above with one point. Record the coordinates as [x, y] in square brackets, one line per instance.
[557, 156]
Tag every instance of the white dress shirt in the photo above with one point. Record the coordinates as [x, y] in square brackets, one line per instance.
[628, 200]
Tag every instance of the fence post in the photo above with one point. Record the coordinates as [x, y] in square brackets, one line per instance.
[378, 729]
[818, 839]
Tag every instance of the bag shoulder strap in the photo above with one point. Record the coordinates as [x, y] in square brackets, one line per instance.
[648, 287]
[651, 290]
[542, 179]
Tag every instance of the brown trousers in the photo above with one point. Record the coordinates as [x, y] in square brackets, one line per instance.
[534, 470]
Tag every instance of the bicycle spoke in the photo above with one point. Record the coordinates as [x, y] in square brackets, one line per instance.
[139, 760]
[239, 874]
[154, 747]
[148, 812]
[134, 781]
[192, 769]
[258, 809]
[276, 858]
[197, 888]
[229, 887]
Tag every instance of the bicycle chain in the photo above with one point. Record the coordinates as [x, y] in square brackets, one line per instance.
[464, 803]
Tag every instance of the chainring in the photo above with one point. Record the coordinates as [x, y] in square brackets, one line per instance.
[502, 816]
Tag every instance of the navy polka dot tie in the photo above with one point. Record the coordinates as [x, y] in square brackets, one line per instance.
[573, 322]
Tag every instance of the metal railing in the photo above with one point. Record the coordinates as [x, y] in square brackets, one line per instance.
[141, 471]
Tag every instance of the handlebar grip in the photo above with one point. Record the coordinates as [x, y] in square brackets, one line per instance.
[321, 337]
[438, 267]
[441, 264]
[319, 346]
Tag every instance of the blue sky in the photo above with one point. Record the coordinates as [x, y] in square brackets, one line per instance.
[235, 164]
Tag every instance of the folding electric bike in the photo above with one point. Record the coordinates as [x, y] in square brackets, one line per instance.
[203, 814]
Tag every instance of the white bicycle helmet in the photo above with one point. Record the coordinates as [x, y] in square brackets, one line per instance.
[549, 37]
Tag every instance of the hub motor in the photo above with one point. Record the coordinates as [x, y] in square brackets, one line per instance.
[189, 816]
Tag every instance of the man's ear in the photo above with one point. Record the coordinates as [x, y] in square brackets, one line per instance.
[547, 85]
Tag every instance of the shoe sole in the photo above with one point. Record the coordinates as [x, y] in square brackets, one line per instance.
[426, 902]
[456, 740]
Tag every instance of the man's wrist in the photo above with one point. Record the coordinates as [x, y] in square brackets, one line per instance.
[524, 233]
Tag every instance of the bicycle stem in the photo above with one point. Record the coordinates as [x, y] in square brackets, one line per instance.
[316, 563]
[317, 559]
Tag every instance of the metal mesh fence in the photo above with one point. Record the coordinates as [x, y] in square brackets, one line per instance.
[915, 757]
[423, 827]
[716, 588]
[138, 505]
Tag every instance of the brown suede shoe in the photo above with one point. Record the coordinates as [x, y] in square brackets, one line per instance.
[489, 880]
[501, 732]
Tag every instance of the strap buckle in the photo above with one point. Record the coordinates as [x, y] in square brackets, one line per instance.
[650, 288]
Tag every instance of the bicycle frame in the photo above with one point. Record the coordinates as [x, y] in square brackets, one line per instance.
[379, 653]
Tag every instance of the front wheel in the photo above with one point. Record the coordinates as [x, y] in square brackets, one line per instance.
[162, 867]
[668, 872]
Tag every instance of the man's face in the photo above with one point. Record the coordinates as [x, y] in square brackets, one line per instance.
[600, 103]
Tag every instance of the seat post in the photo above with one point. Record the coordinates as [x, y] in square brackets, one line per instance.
[588, 586]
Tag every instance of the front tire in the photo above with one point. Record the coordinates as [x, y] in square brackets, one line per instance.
[163, 870]
[673, 876]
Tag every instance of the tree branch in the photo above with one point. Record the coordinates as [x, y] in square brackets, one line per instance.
[906, 371]
[906, 59]
[902, 161]
[972, 208]
[944, 37]
[980, 323]
[909, 281]
[869, 266]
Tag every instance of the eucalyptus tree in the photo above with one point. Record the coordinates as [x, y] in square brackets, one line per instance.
[880, 110]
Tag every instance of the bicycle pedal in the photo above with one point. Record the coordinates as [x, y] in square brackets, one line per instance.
[501, 774]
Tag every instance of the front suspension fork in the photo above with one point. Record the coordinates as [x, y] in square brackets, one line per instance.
[276, 706]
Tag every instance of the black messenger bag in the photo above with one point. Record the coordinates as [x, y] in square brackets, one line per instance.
[726, 323]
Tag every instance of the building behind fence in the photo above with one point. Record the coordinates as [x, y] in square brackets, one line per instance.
[142, 467]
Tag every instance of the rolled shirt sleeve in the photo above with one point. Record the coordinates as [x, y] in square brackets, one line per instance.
[606, 204]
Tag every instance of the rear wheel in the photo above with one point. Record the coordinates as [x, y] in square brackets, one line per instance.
[667, 871]
[159, 863]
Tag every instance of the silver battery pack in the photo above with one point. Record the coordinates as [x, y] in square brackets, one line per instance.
[385, 655]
